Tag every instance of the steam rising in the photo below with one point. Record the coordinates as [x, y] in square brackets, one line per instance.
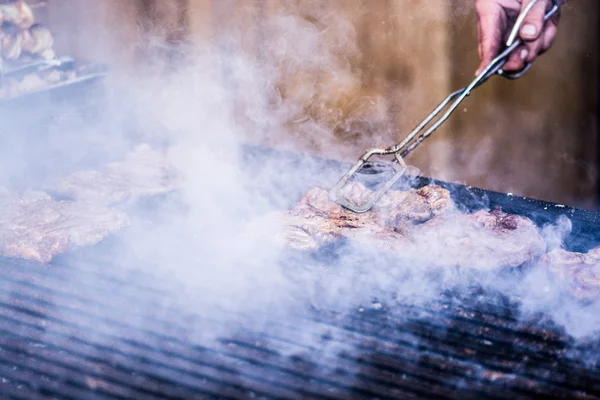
[209, 243]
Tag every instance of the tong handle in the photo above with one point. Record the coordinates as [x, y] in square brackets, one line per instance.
[494, 67]
[514, 41]
[451, 102]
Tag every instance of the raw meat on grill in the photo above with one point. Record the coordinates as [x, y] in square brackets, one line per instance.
[36, 227]
[579, 271]
[421, 225]
[144, 172]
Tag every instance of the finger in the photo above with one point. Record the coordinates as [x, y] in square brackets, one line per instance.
[517, 59]
[546, 36]
[549, 36]
[533, 24]
[534, 48]
[490, 27]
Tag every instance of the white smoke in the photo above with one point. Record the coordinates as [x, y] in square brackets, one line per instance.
[215, 241]
[210, 244]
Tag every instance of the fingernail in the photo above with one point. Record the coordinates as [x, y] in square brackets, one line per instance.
[529, 30]
[524, 54]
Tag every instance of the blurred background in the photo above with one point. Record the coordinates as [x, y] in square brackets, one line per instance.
[346, 75]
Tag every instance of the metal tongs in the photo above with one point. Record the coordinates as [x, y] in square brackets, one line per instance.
[402, 149]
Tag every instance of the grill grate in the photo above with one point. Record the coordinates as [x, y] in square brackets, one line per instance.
[90, 327]
[83, 329]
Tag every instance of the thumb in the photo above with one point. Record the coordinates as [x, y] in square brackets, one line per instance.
[534, 20]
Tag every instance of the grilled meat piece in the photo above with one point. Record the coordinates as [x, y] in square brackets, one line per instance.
[12, 45]
[38, 40]
[414, 207]
[315, 221]
[13, 87]
[36, 227]
[420, 225]
[484, 240]
[145, 172]
[580, 272]
[17, 13]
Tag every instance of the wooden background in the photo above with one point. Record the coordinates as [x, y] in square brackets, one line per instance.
[350, 74]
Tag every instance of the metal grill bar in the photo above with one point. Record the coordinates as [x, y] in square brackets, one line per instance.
[376, 357]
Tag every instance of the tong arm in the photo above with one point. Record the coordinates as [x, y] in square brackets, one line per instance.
[493, 68]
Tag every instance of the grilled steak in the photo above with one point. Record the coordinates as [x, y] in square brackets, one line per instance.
[483, 240]
[145, 172]
[415, 206]
[36, 227]
[580, 272]
[419, 224]
[316, 221]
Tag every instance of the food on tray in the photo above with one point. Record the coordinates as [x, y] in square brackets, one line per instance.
[24, 46]
[17, 13]
[21, 35]
[39, 41]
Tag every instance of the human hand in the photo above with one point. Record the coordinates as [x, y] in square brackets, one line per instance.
[496, 19]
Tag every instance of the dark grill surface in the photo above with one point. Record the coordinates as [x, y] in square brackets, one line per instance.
[90, 326]
[83, 329]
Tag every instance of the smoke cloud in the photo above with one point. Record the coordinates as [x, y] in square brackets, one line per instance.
[210, 242]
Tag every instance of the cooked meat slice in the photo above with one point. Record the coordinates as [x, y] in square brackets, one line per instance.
[484, 240]
[12, 46]
[35, 227]
[38, 39]
[145, 172]
[580, 272]
[17, 13]
[399, 207]
[416, 206]
[31, 82]
[53, 76]
[355, 192]
[48, 54]
[316, 221]
[14, 87]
